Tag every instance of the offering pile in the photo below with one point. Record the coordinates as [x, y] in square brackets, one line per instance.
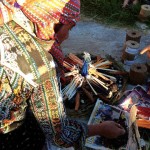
[90, 77]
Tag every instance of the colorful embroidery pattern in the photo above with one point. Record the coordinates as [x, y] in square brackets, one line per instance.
[23, 62]
[41, 17]
[14, 91]
[45, 13]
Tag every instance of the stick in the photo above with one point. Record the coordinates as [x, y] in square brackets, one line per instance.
[88, 94]
[76, 59]
[77, 101]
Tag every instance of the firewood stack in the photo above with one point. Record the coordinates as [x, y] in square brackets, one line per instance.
[88, 78]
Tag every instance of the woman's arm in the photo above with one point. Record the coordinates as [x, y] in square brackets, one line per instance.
[48, 110]
[108, 129]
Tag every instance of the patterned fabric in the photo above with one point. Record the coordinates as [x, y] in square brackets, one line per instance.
[28, 72]
[5, 14]
[17, 49]
[45, 14]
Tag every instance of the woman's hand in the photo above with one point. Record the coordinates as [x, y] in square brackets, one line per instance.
[146, 50]
[108, 129]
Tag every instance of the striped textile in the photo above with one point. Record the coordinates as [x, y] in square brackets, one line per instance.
[45, 14]
[27, 71]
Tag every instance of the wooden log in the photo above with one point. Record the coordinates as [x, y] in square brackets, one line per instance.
[138, 74]
[144, 14]
[133, 35]
[77, 101]
[130, 51]
[88, 94]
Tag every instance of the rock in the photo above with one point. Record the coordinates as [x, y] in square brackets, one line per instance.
[142, 26]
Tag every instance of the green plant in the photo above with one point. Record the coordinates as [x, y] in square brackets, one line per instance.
[111, 11]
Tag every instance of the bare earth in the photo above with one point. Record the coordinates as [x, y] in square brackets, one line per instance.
[96, 38]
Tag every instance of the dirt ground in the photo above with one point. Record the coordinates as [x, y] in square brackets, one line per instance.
[97, 38]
